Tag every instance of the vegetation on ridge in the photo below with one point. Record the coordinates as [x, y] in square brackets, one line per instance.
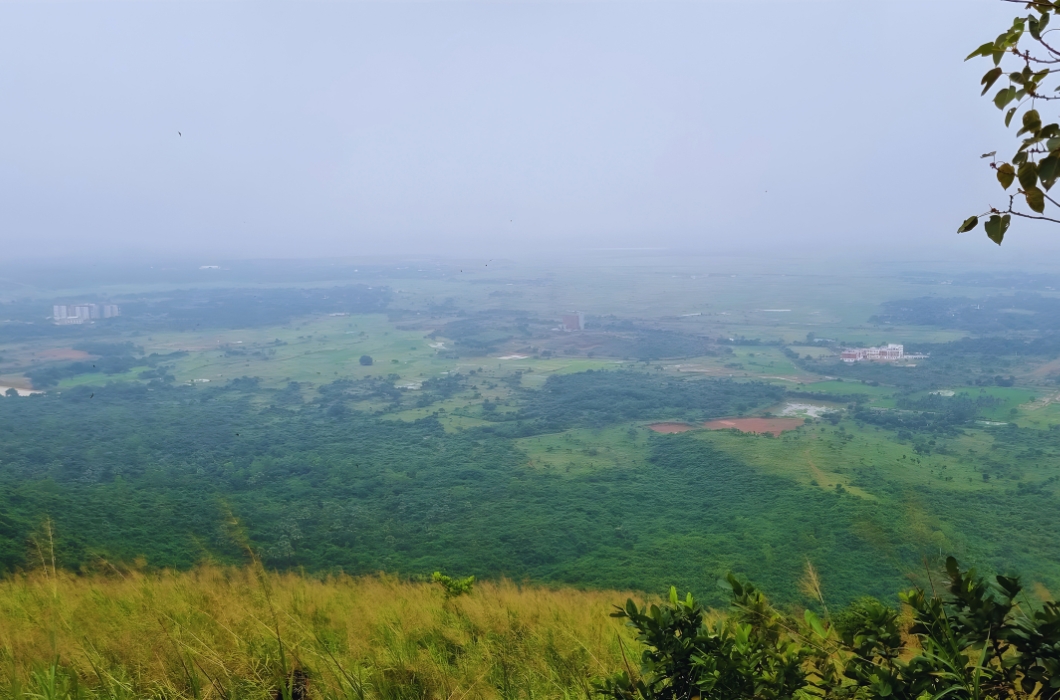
[234, 633]
[229, 633]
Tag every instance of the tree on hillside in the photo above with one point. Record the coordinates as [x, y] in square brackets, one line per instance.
[1025, 58]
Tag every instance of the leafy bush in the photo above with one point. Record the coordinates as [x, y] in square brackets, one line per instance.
[750, 654]
[453, 587]
[973, 642]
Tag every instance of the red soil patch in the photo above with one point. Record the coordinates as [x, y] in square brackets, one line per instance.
[669, 428]
[64, 354]
[755, 425]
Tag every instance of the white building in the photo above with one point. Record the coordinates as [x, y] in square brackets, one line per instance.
[65, 315]
[887, 353]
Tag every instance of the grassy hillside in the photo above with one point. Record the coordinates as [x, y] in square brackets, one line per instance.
[217, 632]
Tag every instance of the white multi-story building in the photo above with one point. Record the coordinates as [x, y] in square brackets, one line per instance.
[887, 353]
[65, 315]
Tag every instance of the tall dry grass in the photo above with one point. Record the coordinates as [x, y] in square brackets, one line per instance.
[233, 633]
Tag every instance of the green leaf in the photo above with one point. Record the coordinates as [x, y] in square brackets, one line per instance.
[1008, 117]
[815, 623]
[991, 154]
[1035, 199]
[1049, 170]
[1028, 175]
[990, 78]
[969, 223]
[1005, 175]
[984, 50]
[1032, 121]
[1004, 96]
[995, 227]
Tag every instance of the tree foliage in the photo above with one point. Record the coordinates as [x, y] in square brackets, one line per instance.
[1025, 60]
[454, 587]
[973, 641]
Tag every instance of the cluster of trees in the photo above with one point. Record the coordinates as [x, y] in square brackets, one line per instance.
[929, 414]
[483, 333]
[630, 340]
[972, 641]
[595, 399]
[997, 314]
[110, 358]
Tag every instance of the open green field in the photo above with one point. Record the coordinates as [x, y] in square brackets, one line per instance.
[582, 451]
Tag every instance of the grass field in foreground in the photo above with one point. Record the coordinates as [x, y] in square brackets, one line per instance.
[230, 633]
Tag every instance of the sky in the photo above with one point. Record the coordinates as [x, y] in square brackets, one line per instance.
[303, 129]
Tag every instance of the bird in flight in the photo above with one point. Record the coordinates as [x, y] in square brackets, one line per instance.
[180, 134]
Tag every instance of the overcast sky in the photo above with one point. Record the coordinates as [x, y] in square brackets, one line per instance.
[348, 128]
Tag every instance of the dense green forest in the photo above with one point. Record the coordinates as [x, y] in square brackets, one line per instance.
[156, 469]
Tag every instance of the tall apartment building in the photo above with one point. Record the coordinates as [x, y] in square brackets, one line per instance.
[573, 322]
[65, 315]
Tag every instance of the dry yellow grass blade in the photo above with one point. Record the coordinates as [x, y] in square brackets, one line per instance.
[211, 633]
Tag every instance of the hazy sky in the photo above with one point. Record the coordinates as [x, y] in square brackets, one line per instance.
[347, 128]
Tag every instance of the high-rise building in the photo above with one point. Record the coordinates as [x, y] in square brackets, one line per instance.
[573, 322]
[73, 314]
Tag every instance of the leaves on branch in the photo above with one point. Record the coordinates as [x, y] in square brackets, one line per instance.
[990, 78]
[1005, 175]
[1032, 122]
[996, 227]
[1035, 199]
[1048, 170]
[1004, 96]
[1036, 163]
[1028, 175]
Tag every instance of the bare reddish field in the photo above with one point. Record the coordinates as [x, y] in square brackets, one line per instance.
[669, 428]
[755, 425]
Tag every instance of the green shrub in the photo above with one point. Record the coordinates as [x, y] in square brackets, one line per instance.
[453, 587]
[971, 643]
